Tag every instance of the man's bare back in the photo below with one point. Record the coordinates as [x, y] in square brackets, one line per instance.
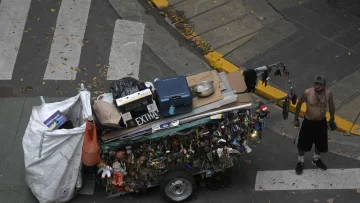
[316, 103]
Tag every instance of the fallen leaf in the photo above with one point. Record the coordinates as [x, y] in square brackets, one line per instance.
[97, 65]
[26, 89]
[358, 190]
[76, 69]
[52, 27]
[21, 79]
[339, 150]
[300, 2]
[349, 53]
[67, 39]
[316, 200]
[47, 35]
[331, 200]
[252, 12]
[94, 78]
[43, 83]
[293, 192]
[358, 158]
[52, 10]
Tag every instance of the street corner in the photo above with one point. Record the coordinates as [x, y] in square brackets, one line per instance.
[231, 33]
[160, 3]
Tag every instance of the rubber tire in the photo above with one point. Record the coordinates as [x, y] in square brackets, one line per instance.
[173, 175]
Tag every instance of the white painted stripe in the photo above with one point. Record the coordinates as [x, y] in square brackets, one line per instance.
[13, 15]
[126, 49]
[309, 180]
[68, 38]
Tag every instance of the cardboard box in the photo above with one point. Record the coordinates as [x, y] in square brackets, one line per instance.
[134, 101]
[237, 83]
[151, 115]
[206, 76]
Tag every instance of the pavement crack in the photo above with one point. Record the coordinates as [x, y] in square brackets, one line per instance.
[277, 11]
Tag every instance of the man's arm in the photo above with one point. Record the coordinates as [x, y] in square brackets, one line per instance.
[331, 106]
[301, 100]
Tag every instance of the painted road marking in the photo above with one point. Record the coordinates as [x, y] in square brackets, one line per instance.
[309, 180]
[68, 39]
[13, 15]
[126, 49]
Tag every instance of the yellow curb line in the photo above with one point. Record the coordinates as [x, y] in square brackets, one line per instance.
[160, 3]
[216, 61]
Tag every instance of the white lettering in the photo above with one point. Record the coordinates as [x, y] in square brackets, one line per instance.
[143, 118]
[146, 118]
[137, 121]
[151, 115]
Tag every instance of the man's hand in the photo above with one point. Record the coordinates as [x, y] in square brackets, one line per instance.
[296, 123]
[301, 100]
[332, 125]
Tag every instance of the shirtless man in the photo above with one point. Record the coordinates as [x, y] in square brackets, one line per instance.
[314, 127]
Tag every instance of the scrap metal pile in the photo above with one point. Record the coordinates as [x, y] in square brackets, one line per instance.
[144, 134]
[200, 124]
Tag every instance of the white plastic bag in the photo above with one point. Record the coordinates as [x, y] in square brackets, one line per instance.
[108, 97]
[53, 159]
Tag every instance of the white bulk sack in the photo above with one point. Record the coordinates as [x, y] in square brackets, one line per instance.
[53, 159]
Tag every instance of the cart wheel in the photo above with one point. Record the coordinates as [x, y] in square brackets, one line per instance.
[177, 186]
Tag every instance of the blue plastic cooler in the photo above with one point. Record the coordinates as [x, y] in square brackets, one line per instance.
[173, 96]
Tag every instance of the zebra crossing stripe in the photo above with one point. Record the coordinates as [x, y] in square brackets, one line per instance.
[67, 43]
[13, 15]
[311, 179]
[125, 53]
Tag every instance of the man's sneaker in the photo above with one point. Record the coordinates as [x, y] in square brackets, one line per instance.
[318, 163]
[299, 168]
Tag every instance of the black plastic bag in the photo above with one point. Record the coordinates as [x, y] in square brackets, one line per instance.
[123, 87]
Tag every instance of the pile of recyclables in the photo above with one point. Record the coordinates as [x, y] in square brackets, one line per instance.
[149, 134]
[191, 123]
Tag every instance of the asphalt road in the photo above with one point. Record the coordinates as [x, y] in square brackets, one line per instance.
[275, 152]
[34, 52]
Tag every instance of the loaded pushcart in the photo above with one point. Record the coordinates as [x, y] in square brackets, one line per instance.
[168, 133]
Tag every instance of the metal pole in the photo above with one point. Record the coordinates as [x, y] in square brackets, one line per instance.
[298, 132]
[185, 120]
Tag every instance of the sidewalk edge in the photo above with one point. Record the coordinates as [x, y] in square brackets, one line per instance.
[160, 3]
[216, 61]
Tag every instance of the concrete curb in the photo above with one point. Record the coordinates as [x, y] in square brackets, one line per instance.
[216, 60]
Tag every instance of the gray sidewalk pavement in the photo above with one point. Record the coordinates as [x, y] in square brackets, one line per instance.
[312, 37]
[15, 114]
